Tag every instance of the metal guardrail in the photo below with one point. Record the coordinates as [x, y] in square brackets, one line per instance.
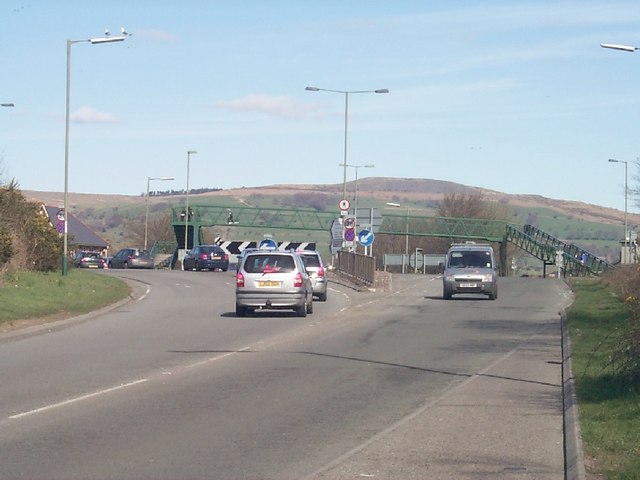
[360, 268]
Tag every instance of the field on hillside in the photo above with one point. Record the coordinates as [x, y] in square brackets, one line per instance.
[119, 219]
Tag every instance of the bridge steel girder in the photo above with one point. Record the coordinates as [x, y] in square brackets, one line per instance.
[532, 240]
[276, 218]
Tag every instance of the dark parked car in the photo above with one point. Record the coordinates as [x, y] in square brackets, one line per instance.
[131, 258]
[206, 257]
[84, 259]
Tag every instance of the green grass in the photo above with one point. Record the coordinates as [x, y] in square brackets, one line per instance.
[609, 407]
[26, 295]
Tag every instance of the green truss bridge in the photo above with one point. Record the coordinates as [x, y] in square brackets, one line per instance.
[574, 260]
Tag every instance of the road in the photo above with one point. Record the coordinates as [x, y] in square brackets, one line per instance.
[172, 385]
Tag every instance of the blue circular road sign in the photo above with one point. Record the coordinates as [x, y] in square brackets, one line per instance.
[366, 237]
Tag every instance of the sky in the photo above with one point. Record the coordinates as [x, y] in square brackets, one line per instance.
[512, 96]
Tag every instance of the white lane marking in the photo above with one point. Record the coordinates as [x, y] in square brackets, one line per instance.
[78, 399]
[144, 295]
[219, 357]
[125, 385]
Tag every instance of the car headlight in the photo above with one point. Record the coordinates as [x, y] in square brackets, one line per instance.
[487, 277]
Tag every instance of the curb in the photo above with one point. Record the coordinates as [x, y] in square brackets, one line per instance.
[574, 468]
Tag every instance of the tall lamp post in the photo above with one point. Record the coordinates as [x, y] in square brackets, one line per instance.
[355, 195]
[346, 123]
[626, 233]
[146, 214]
[186, 212]
[65, 235]
[406, 237]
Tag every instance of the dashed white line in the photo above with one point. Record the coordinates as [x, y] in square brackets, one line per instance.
[77, 399]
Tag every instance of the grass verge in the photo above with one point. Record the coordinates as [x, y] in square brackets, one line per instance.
[609, 406]
[28, 295]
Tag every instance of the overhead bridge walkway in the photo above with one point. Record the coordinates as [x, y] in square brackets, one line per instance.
[573, 260]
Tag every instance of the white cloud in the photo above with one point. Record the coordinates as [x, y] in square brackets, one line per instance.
[91, 115]
[277, 106]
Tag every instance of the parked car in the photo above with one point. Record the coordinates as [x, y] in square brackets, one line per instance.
[470, 268]
[272, 279]
[85, 259]
[316, 270]
[131, 258]
[206, 257]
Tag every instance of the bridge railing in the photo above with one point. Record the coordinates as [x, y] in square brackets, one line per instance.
[576, 261]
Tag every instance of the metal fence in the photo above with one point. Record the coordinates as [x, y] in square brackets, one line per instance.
[358, 267]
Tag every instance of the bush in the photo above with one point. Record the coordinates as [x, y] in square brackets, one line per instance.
[625, 358]
[28, 241]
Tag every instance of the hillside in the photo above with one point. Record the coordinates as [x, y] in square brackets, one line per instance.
[414, 191]
[593, 227]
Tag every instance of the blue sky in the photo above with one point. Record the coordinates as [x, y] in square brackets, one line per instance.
[513, 96]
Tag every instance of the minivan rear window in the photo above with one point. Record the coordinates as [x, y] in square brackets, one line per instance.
[269, 264]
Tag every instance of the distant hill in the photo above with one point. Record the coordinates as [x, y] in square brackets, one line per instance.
[385, 189]
[593, 227]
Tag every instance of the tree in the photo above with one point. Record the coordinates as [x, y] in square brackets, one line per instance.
[28, 240]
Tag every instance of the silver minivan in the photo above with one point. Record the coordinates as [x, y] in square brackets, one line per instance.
[470, 268]
[273, 280]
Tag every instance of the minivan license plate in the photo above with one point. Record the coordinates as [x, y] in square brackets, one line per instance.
[268, 283]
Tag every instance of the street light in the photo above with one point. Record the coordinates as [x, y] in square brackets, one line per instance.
[626, 234]
[346, 122]
[146, 215]
[624, 48]
[406, 237]
[93, 41]
[355, 196]
[186, 212]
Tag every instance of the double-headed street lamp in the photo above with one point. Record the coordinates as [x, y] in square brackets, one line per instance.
[186, 212]
[65, 235]
[146, 214]
[346, 123]
[626, 233]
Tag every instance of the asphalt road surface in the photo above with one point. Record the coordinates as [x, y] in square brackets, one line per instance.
[171, 385]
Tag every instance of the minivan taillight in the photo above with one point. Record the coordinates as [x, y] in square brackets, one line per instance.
[239, 280]
[321, 272]
[297, 281]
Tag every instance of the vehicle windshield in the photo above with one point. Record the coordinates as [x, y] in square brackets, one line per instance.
[461, 259]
